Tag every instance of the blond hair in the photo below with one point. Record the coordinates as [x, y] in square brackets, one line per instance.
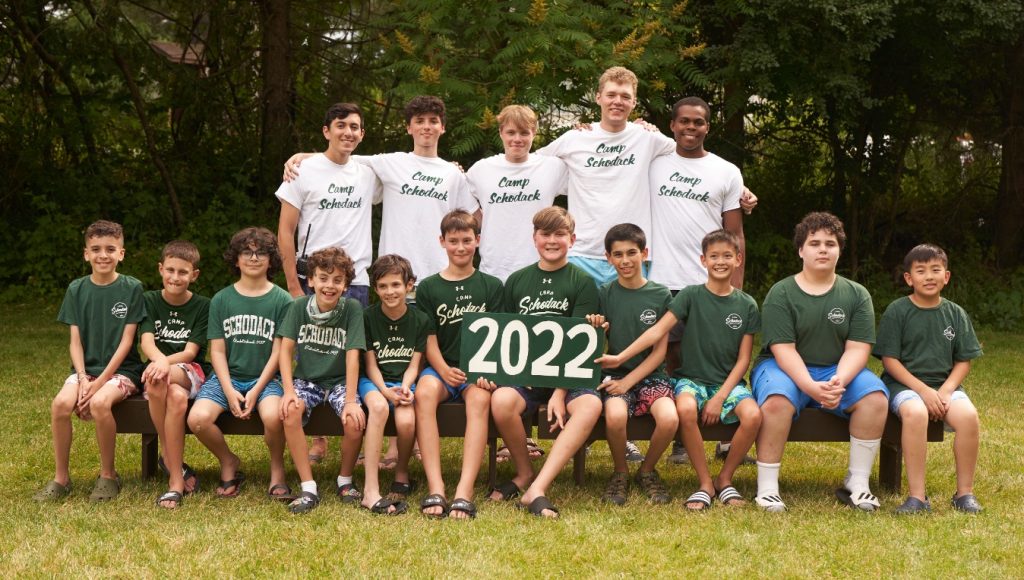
[518, 116]
[617, 74]
[552, 219]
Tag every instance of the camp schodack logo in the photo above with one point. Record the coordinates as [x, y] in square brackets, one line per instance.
[648, 317]
[120, 310]
[949, 333]
[836, 316]
[733, 321]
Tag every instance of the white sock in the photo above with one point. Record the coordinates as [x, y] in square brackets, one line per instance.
[309, 486]
[342, 480]
[862, 459]
[768, 478]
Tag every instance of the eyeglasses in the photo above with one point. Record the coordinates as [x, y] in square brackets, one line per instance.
[255, 254]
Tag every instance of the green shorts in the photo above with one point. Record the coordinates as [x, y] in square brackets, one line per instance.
[703, 393]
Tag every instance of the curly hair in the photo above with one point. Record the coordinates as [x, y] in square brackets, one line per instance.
[424, 105]
[330, 260]
[253, 239]
[817, 221]
[104, 228]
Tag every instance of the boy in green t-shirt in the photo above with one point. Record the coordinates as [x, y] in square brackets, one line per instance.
[103, 311]
[174, 341]
[244, 351]
[396, 336]
[715, 351]
[637, 385]
[926, 344]
[551, 287]
[322, 334]
[446, 297]
[817, 335]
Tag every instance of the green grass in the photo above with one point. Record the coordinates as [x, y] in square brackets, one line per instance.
[251, 536]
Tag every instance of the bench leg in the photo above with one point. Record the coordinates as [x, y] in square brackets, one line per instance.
[579, 465]
[150, 450]
[890, 467]
[492, 461]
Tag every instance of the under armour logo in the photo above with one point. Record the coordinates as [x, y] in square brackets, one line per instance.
[545, 280]
[459, 288]
[392, 327]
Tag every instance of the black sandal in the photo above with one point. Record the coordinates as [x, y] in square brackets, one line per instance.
[507, 489]
[434, 500]
[463, 505]
[174, 496]
[540, 504]
[236, 483]
[381, 507]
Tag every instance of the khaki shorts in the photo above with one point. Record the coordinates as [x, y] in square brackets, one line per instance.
[123, 384]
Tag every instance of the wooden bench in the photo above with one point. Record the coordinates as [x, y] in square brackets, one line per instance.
[813, 425]
[132, 416]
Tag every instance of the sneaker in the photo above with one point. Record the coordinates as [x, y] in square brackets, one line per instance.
[305, 503]
[914, 506]
[678, 455]
[722, 451]
[618, 487]
[348, 493]
[653, 487]
[633, 454]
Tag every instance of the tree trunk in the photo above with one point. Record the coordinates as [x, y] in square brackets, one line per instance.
[276, 139]
[1010, 200]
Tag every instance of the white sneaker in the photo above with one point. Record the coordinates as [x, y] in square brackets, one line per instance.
[633, 454]
[771, 503]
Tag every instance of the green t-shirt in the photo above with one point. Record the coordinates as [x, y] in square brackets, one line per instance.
[567, 291]
[819, 326]
[247, 324]
[320, 348]
[101, 313]
[173, 327]
[715, 327]
[926, 340]
[394, 342]
[445, 303]
[630, 312]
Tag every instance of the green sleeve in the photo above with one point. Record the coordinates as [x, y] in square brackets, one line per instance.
[966, 346]
[216, 330]
[680, 305]
[198, 335]
[424, 301]
[586, 299]
[355, 330]
[753, 317]
[136, 306]
[778, 327]
[289, 327]
[862, 326]
[495, 298]
[148, 324]
[890, 334]
[422, 331]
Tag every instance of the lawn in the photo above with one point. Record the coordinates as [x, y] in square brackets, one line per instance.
[251, 536]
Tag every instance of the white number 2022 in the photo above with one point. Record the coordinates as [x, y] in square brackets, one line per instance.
[518, 332]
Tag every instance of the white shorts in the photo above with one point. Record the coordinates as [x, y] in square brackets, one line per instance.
[908, 395]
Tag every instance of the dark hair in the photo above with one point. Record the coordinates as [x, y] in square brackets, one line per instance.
[391, 264]
[720, 237]
[253, 238]
[692, 102]
[625, 233]
[424, 105]
[104, 228]
[329, 260]
[459, 220]
[342, 111]
[554, 218]
[925, 253]
[182, 250]
[815, 221]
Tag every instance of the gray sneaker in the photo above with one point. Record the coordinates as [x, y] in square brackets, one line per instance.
[633, 454]
[678, 455]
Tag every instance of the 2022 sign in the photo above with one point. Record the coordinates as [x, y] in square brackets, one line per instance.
[535, 351]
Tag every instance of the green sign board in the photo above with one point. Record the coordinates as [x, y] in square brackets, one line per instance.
[534, 351]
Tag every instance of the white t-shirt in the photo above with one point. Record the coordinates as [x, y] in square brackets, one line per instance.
[335, 204]
[509, 195]
[608, 175]
[418, 192]
[688, 198]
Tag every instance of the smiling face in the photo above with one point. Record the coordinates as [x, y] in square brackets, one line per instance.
[460, 245]
[253, 262]
[517, 141]
[927, 279]
[553, 246]
[628, 259]
[343, 136]
[392, 289]
[426, 129]
[820, 252]
[104, 253]
[721, 259]
[690, 128]
[617, 101]
[328, 287]
[176, 275]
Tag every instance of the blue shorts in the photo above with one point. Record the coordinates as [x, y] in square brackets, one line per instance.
[600, 270]
[908, 395]
[454, 392]
[539, 396]
[703, 393]
[366, 387]
[770, 380]
[312, 394]
[212, 391]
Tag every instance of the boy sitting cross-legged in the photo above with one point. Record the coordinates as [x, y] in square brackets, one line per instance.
[244, 352]
[637, 386]
[396, 336]
[715, 351]
[926, 344]
[174, 341]
[551, 287]
[323, 335]
[445, 297]
[103, 311]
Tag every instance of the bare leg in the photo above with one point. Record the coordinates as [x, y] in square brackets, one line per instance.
[478, 412]
[616, 415]
[60, 426]
[963, 417]
[776, 420]
[507, 408]
[430, 393]
[202, 421]
[666, 425]
[106, 428]
[686, 406]
[295, 437]
[273, 435]
[374, 438]
[914, 416]
[405, 426]
[750, 423]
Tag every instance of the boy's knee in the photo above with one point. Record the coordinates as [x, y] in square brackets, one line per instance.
[378, 408]
[198, 421]
[62, 407]
[156, 389]
[777, 406]
[686, 409]
[665, 416]
[100, 407]
[615, 416]
[177, 398]
[749, 415]
[913, 413]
